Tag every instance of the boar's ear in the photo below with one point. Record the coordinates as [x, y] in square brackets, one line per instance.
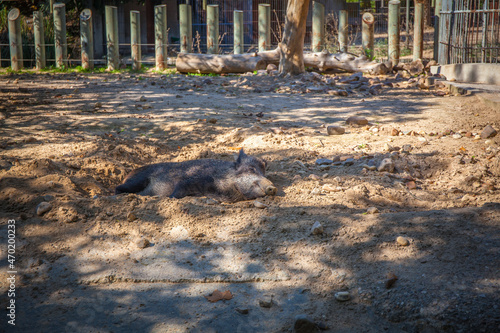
[241, 157]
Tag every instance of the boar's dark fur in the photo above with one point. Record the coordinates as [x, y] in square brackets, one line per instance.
[222, 180]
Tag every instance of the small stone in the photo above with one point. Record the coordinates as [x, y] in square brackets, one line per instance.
[212, 121]
[403, 241]
[316, 191]
[98, 105]
[376, 89]
[394, 132]
[304, 325]
[357, 120]
[456, 136]
[317, 228]
[143, 243]
[265, 304]
[109, 213]
[406, 148]
[416, 67]
[30, 140]
[369, 167]
[335, 130]
[331, 188]
[313, 89]
[342, 296]
[314, 177]
[43, 208]
[259, 204]
[344, 158]
[386, 165]
[348, 162]
[131, 217]
[242, 311]
[372, 210]
[142, 99]
[271, 67]
[299, 164]
[323, 161]
[338, 93]
[488, 132]
[411, 185]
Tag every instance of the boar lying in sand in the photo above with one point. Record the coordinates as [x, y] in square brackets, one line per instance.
[226, 181]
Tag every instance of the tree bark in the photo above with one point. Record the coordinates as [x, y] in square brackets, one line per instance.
[292, 46]
[227, 63]
[249, 62]
[347, 62]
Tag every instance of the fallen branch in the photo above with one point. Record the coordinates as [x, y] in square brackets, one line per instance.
[226, 63]
[249, 62]
[345, 61]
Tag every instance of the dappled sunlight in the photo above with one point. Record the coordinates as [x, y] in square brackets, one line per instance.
[98, 261]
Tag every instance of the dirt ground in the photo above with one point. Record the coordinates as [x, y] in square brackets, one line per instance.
[94, 262]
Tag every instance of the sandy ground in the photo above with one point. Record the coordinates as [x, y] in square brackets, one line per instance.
[94, 262]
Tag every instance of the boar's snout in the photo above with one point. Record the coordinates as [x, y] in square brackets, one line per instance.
[271, 190]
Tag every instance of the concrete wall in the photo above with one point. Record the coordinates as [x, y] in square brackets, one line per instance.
[478, 73]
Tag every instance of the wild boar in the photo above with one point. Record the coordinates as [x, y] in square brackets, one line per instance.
[222, 180]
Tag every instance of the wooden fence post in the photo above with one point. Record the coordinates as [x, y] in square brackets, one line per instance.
[367, 34]
[186, 34]
[318, 26]
[407, 25]
[161, 37]
[87, 39]
[343, 30]
[15, 39]
[418, 35]
[239, 40]
[437, 18]
[394, 48]
[213, 29]
[38, 32]
[135, 39]
[264, 27]
[113, 55]
[61, 46]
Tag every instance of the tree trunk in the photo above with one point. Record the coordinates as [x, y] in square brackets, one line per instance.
[227, 63]
[249, 62]
[292, 46]
[347, 62]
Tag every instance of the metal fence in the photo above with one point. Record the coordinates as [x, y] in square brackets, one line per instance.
[470, 32]
[250, 18]
[355, 10]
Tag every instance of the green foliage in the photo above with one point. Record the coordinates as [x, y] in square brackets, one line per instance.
[370, 53]
[209, 74]
[167, 71]
[406, 52]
